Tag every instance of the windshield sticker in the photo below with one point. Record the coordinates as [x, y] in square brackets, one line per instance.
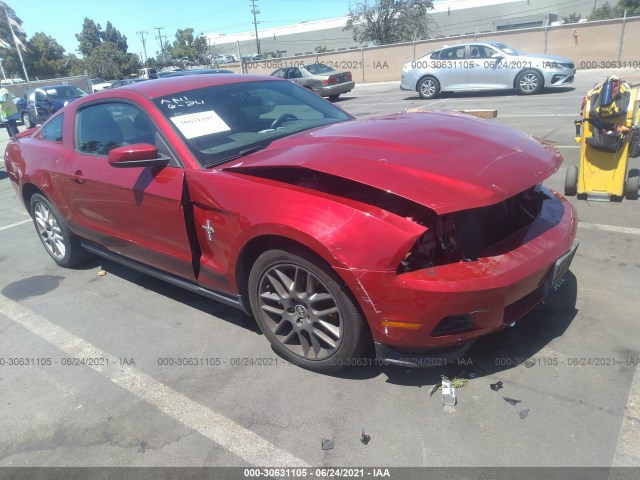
[180, 102]
[199, 124]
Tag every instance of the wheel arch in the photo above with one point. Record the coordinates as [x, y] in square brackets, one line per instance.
[28, 191]
[258, 245]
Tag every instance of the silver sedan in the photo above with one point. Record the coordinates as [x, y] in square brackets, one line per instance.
[484, 66]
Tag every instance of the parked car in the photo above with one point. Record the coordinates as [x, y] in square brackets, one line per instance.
[127, 81]
[43, 102]
[322, 79]
[415, 232]
[485, 66]
[222, 59]
[99, 84]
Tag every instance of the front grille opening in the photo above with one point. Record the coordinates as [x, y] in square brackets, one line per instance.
[453, 324]
[467, 235]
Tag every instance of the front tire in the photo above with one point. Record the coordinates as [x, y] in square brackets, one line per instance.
[59, 242]
[335, 97]
[305, 311]
[529, 82]
[428, 87]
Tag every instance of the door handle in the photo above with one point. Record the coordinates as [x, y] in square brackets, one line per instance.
[77, 177]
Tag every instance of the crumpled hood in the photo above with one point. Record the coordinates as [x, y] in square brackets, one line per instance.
[445, 161]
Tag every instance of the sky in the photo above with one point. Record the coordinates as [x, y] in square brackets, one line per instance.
[62, 19]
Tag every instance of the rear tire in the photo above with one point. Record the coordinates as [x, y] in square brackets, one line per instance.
[305, 311]
[26, 120]
[59, 242]
[571, 181]
[428, 87]
[632, 184]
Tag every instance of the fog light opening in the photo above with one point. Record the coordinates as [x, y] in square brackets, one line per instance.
[453, 324]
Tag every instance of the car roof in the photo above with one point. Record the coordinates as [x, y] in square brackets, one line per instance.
[168, 85]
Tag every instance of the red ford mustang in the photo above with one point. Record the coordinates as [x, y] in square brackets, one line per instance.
[419, 232]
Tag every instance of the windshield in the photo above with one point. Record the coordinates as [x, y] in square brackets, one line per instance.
[219, 123]
[64, 91]
[319, 69]
[506, 49]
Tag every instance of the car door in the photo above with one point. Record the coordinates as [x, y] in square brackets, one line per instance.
[450, 68]
[488, 70]
[135, 212]
[42, 106]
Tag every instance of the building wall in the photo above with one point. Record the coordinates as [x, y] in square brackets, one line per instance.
[609, 44]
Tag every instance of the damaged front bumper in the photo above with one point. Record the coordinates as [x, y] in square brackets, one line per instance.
[430, 316]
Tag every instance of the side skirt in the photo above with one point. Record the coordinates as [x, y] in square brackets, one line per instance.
[230, 300]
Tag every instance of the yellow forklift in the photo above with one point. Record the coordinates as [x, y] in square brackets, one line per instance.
[608, 135]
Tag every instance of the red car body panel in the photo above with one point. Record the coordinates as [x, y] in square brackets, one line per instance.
[444, 162]
[488, 164]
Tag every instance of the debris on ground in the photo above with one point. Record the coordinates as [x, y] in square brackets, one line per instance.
[448, 393]
[496, 386]
[523, 414]
[365, 437]
[529, 363]
[512, 401]
[102, 273]
[457, 382]
[433, 390]
[327, 444]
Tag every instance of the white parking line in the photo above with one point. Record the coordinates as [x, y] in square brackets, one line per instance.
[609, 228]
[628, 447]
[225, 432]
[21, 222]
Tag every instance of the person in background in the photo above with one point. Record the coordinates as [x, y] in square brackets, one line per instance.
[9, 111]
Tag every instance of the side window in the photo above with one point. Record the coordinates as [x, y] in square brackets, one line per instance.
[454, 53]
[40, 96]
[480, 51]
[279, 73]
[295, 73]
[435, 55]
[97, 131]
[52, 130]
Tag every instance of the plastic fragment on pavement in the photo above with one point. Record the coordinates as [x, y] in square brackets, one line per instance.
[496, 386]
[433, 390]
[365, 437]
[523, 414]
[327, 444]
[512, 401]
[102, 273]
[448, 393]
[529, 363]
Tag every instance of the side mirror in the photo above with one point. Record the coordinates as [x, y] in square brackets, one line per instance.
[138, 155]
[497, 56]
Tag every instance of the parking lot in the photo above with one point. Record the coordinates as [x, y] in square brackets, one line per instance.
[571, 364]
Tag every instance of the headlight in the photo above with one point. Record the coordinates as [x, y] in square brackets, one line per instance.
[406, 67]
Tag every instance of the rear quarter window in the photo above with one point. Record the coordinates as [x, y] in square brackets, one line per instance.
[52, 130]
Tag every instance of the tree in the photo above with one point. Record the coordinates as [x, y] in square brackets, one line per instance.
[189, 46]
[45, 57]
[631, 6]
[90, 37]
[573, 18]
[112, 35]
[390, 21]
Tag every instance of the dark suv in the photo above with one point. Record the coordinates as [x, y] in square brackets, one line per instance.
[42, 102]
